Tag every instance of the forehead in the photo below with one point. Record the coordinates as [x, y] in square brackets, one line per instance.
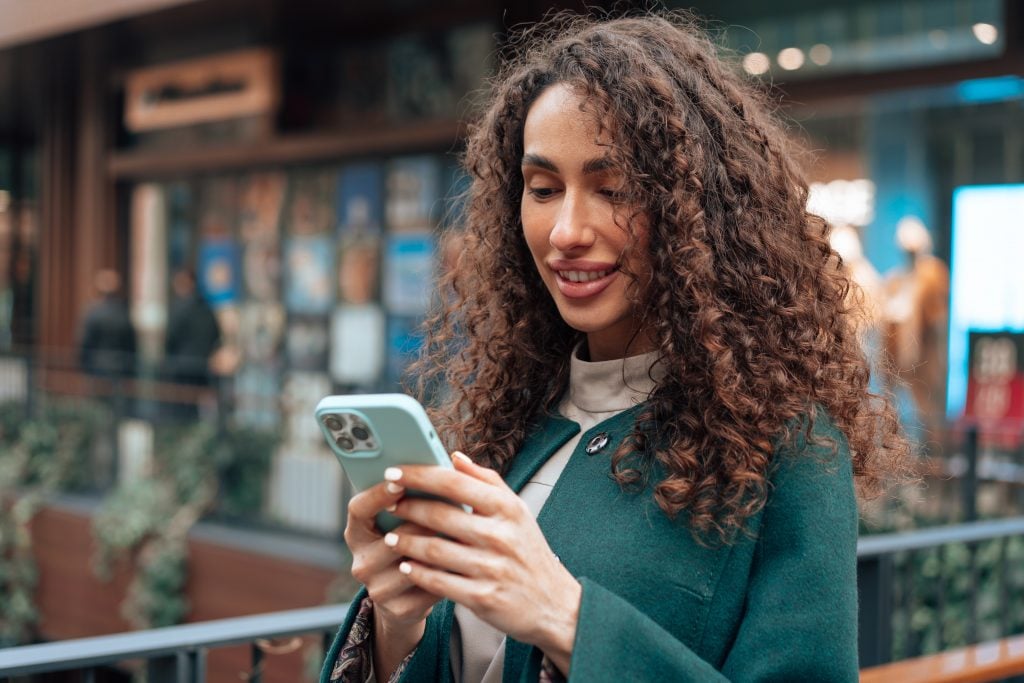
[560, 117]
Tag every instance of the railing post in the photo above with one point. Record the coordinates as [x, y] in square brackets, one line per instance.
[874, 585]
[184, 666]
[163, 670]
[969, 485]
[256, 675]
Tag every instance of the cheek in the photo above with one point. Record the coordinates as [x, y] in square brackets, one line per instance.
[535, 228]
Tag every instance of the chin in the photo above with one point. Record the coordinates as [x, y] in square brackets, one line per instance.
[587, 324]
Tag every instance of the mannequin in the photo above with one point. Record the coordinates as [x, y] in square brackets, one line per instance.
[845, 240]
[916, 318]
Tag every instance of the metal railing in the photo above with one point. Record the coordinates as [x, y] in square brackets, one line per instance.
[934, 589]
[176, 654]
[889, 582]
[135, 416]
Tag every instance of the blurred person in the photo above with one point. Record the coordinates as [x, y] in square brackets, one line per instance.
[107, 339]
[655, 380]
[193, 336]
[916, 324]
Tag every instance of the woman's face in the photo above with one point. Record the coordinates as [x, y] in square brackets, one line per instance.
[569, 211]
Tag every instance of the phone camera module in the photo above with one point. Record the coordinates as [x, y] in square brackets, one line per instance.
[345, 443]
[360, 433]
[334, 422]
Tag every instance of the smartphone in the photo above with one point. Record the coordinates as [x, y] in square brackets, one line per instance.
[370, 432]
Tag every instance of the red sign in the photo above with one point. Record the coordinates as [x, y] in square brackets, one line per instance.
[995, 386]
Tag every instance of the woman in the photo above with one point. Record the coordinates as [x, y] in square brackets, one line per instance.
[656, 385]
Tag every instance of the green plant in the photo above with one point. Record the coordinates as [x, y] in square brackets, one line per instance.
[935, 589]
[39, 456]
[196, 470]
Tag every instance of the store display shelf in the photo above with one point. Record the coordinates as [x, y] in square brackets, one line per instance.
[284, 150]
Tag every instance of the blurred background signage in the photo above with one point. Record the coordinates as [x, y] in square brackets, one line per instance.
[995, 385]
[215, 88]
[987, 287]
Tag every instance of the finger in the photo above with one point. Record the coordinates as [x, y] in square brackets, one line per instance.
[364, 506]
[463, 463]
[375, 556]
[461, 589]
[443, 518]
[441, 553]
[458, 487]
[373, 559]
[388, 584]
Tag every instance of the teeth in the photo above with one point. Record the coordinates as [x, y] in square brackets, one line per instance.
[583, 275]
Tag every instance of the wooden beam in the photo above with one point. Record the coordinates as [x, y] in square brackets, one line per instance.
[855, 85]
[56, 300]
[94, 234]
[29, 21]
[149, 164]
[991, 661]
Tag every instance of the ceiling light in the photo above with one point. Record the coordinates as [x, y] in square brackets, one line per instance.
[756, 63]
[791, 58]
[820, 54]
[985, 33]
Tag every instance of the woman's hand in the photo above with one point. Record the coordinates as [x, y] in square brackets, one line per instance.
[400, 607]
[495, 560]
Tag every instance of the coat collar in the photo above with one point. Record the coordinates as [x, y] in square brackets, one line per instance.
[543, 442]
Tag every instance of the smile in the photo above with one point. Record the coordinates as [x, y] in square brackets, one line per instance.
[584, 284]
[583, 275]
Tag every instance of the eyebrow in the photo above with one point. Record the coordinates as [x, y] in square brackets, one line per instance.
[590, 166]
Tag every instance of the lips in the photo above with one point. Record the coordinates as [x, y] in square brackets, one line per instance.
[583, 279]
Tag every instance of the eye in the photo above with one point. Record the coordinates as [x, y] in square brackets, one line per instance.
[541, 192]
[612, 195]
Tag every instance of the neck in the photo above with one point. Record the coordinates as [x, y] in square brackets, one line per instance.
[601, 349]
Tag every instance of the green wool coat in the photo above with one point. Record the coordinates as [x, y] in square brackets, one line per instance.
[657, 605]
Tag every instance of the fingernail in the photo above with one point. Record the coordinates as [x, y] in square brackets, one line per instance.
[393, 489]
[392, 474]
[461, 456]
[405, 568]
[392, 508]
[391, 540]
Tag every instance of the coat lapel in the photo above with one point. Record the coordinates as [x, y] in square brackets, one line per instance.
[538, 447]
[522, 661]
[542, 443]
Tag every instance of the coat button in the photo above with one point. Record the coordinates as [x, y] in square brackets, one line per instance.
[597, 444]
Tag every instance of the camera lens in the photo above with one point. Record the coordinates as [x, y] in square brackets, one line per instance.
[345, 443]
[334, 423]
[360, 433]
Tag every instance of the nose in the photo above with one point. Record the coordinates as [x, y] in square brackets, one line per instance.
[572, 228]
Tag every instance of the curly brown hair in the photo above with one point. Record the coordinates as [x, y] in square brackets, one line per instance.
[745, 299]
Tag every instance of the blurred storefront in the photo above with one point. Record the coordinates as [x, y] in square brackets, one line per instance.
[909, 109]
[300, 156]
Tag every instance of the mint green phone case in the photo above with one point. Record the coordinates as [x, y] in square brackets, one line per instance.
[400, 434]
